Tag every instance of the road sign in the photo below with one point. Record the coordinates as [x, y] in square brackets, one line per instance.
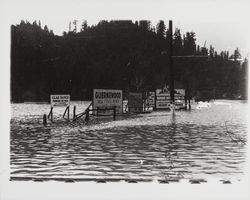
[106, 98]
[60, 100]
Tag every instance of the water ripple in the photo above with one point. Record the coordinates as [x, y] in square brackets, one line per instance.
[194, 144]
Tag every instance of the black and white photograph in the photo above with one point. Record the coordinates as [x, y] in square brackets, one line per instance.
[124, 99]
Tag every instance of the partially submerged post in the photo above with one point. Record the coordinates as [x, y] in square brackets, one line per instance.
[44, 119]
[66, 111]
[171, 73]
[114, 115]
[74, 112]
[185, 100]
[50, 116]
[87, 115]
[188, 92]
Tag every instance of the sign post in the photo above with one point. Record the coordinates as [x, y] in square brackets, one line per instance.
[171, 62]
[50, 116]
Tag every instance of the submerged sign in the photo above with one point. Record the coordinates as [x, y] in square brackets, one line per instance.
[104, 98]
[59, 100]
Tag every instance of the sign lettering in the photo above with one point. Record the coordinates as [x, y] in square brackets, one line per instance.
[60, 100]
[105, 98]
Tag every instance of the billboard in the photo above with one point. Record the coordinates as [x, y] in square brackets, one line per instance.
[135, 102]
[106, 98]
[60, 100]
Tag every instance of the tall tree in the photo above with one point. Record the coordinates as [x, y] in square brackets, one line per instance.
[145, 25]
[177, 42]
[189, 43]
[160, 29]
[237, 54]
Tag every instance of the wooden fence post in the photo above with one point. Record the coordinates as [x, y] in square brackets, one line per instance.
[185, 98]
[74, 112]
[51, 114]
[87, 115]
[114, 113]
[44, 119]
[68, 113]
[189, 104]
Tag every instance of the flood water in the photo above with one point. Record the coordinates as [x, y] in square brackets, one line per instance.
[207, 142]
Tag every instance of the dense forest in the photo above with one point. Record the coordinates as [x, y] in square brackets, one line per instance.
[127, 55]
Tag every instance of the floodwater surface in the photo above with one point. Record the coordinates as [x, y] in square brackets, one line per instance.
[207, 142]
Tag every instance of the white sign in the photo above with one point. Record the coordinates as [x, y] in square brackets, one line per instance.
[59, 100]
[180, 91]
[162, 104]
[160, 92]
[151, 99]
[104, 98]
[163, 98]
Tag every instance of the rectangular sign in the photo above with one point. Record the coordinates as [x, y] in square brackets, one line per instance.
[135, 102]
[162, 104]
[151, 99]
[163, 98]
[60, 100]
[180, 91]
[105, 98]
[160, 92]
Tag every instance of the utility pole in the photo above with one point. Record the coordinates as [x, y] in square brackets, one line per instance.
[171, 78]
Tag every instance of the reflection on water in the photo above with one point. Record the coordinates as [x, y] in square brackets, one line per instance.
[207, 142]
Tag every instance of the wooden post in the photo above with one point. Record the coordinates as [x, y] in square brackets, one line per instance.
[154, 108]
[50, 116]
[171, 73]
[185, 101]
[44, 119]
[114, 113]
[97, 111]
[87, 115]
[65, 112]
[188, 96]
[68, 113]
[74, 112]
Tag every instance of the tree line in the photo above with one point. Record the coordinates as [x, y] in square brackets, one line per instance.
[117, 54]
